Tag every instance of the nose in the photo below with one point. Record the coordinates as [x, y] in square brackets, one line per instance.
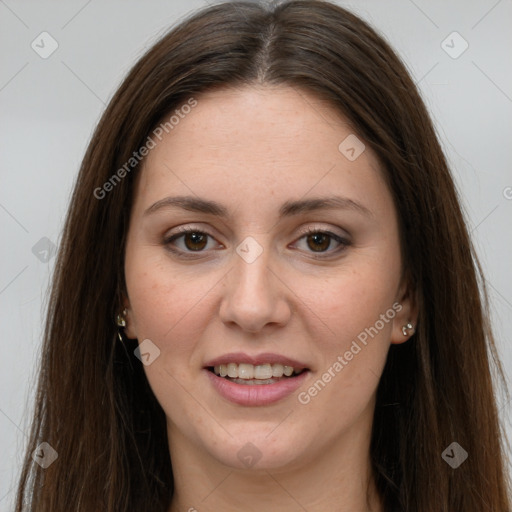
[254, 297]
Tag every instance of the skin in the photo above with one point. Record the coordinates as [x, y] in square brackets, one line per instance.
[252, 149]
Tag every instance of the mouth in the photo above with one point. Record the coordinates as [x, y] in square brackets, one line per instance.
[254, 375]
[255, 380]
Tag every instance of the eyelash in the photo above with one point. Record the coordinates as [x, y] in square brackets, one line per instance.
[344, 243]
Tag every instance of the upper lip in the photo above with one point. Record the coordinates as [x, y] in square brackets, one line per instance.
[265, 358]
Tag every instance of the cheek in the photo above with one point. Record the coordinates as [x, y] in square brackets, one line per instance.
[351, 315]
[351, 301]
[168, 306]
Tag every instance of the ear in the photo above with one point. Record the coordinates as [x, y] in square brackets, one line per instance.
[129, 329]
[406, 307]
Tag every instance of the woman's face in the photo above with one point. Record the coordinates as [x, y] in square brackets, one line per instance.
[256, 170]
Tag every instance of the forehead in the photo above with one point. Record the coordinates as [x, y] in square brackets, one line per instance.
[258, 143]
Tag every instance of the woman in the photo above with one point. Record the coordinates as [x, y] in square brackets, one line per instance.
[266, 289]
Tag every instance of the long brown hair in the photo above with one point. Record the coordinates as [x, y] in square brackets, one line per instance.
[94, 405]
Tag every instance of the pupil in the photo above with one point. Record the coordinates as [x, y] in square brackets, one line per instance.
[195, 238]
[318, 239]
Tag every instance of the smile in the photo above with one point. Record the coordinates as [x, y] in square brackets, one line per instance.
[249, 374]
[251, 392]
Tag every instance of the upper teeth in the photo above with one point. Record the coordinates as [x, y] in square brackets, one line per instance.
[249, 371]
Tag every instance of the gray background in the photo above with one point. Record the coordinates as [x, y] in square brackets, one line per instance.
[49, 108]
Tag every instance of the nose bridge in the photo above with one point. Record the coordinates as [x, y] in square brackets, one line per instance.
[251, 268]
[252, 295]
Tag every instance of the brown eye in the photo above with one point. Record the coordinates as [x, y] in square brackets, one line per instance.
[195, 241]
[188, 240]
[323, 243]
[318, 242]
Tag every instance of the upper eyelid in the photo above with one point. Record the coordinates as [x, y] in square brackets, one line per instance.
[197, 229]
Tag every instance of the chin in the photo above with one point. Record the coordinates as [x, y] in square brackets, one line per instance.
[259, 450]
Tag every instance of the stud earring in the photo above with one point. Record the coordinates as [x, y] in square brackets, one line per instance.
[408, 329]
[121, 322]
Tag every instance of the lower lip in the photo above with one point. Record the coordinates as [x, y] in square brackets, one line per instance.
[256, 394]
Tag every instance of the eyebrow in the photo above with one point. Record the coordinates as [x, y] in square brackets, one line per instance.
[288, 209]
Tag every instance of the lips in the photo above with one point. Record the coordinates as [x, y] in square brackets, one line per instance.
[246, 380]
